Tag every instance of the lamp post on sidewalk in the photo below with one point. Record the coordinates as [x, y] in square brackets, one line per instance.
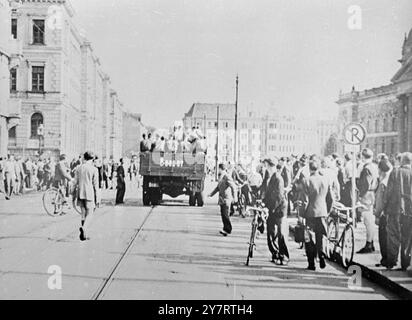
[217, 142]
[236, 155]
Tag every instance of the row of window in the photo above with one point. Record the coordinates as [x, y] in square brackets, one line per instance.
[37, 79]
[38, 30]
[275, 148]
[376, 128]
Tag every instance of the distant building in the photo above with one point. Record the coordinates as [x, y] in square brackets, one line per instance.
[132, 133]
[385, 112]
[260, 135]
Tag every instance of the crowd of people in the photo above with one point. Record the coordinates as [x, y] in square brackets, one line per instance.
[311, 185]
[176, 142]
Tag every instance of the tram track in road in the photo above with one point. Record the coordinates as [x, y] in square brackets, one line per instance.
[108, 280]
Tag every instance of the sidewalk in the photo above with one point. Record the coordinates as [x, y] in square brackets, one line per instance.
[396, 280]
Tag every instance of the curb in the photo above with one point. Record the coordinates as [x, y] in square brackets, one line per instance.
[378, 278]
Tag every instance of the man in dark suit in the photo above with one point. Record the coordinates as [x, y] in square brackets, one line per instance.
[398, 207]
[227, 194]
[144, 144]
[121, 183]
[277, 224]
[316, 188]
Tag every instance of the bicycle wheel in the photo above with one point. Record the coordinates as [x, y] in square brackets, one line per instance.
[332, 237]
[53, 202]
[251, 243]
[348, 246]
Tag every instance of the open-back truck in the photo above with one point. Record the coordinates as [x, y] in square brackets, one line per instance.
[173, 174]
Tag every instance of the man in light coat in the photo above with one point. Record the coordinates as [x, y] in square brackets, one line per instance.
[316, 188]
[87, 184]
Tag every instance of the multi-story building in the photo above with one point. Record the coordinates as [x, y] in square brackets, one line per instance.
[211, 118]
[327, 134]
[10, 57]
[259, 135]
[65, 95]
[385, 112]
[115, 127]
[132, 133]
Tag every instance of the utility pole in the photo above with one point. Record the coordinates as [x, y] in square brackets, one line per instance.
[217, 143]
[236, 155]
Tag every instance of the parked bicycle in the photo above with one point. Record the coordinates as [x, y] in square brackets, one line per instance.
[55, 202]
[260, 215]
[340, 245]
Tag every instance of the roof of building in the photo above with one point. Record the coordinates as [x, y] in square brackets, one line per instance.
[199, 110]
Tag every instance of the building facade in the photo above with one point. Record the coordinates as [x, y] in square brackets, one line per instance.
[259, 135]
[132, 133]
[10, 57]
[385, 112]
[64, 93]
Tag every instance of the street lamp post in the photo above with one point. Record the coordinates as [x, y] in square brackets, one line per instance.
[236, 155]
[217, 142]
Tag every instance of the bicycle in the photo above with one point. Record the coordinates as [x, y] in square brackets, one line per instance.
[55, 203]
[340, 247]
[241, 205]
[260, 215]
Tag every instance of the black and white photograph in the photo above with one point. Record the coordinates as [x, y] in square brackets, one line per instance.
[218, 151]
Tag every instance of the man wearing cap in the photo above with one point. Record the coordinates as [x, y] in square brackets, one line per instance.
[367, 185]
[274, 199]
[227, 194]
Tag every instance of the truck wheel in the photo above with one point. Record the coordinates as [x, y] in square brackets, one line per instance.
[192, 200]
[146, 198]
[199, 199]
[155, 196]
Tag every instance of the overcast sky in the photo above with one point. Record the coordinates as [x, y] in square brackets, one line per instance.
[163, 55]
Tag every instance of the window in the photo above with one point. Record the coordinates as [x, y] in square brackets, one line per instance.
[394, 124]
[13, 79]
[12, 133]
[385, 125]
[37, 79]
[38, 31]
[14, 28]
[36, 121]
[376, 125]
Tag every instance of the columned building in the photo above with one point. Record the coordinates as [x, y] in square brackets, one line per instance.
[385, 112]
[10, 57]
[64, 94]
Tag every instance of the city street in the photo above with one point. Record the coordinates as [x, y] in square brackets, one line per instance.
[172, 251]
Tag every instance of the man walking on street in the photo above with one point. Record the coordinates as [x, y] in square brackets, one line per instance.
[398, 207]
[277, 226]
[316, 189]
[86, 184]
[367, 185]
[227, 194]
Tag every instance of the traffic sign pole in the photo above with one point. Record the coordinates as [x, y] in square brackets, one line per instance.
[354, 134]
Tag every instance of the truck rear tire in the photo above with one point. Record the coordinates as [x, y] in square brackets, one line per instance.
[192, 200]
[146, 198]
[199, 199]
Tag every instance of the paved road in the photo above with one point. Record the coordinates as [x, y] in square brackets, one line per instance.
[168, 252]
